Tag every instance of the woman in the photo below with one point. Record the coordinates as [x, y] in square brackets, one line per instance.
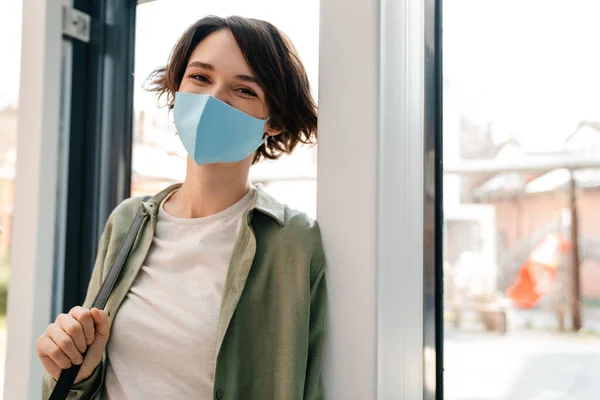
[223, 293]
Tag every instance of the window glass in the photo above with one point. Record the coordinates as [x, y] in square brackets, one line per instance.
[10, 27]
[522, 237]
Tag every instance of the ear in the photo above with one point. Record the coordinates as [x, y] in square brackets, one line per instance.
[270, 130]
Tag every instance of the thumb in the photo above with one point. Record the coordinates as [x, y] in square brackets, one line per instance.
[95, 351]
[100, 323]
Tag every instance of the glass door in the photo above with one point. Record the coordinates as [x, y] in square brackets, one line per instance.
[522, 188]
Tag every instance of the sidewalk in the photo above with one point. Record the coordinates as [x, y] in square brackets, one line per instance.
[521, 366]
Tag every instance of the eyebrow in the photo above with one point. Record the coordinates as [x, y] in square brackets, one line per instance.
[202, 65]
[209, 67]
[248, 78]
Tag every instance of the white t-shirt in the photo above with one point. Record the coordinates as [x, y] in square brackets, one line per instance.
[164, 335]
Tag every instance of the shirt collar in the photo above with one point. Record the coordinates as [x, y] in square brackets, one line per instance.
[268, 205]
[263, 202]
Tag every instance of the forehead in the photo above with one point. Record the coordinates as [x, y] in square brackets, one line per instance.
[221, 50]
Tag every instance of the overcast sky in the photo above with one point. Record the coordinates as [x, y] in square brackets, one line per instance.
[531, 66]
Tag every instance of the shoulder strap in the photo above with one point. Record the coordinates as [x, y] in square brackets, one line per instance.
[67, 376]
[115, 270]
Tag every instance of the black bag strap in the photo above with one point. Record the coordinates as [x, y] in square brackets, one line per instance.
[67, 376]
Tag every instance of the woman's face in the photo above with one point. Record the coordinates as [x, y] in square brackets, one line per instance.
[218, 68]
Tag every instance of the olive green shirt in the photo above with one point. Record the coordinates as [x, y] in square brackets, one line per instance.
[272, 319]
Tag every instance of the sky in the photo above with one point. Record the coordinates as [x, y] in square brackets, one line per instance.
[529, 66]
[10, 49]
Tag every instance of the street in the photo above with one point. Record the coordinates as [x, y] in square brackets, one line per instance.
[524, 365]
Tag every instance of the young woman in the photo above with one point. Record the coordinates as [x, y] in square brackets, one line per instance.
[223, 293]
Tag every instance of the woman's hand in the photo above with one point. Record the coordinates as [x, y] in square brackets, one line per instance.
[64, 342]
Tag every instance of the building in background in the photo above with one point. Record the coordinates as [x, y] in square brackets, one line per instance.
[531, 205]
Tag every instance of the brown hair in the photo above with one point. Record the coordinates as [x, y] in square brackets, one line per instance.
[274, 60]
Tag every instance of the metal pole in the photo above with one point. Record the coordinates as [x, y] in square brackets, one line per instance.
[575, 292]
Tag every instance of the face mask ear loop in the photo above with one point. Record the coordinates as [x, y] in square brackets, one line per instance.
[266, 135]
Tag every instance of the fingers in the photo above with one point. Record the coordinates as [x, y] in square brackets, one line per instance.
[95, 351]
[84, 317]
[47, 349]
[73, 328]
[82, 331]
[65, 343]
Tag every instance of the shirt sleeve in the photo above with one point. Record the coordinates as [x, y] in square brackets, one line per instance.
[81, 390]
[313, 389]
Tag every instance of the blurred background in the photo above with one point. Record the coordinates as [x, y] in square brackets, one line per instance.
[521, 140]
[522, 193]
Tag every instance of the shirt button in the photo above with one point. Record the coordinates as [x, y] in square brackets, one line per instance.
[72, 394]
[220, 394]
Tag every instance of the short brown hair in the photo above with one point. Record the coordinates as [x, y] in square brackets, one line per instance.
[274, 60]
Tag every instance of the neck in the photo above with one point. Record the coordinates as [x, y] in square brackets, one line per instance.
[209, 189]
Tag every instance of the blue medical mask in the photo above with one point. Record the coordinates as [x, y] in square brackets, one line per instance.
[214, 132]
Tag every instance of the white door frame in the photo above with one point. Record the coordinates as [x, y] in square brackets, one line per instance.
[38, 162]
[371, 185]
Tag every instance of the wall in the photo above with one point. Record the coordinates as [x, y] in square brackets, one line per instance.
[520, 219]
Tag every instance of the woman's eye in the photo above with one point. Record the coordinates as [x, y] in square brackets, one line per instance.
[247, 92]
[200, 78]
